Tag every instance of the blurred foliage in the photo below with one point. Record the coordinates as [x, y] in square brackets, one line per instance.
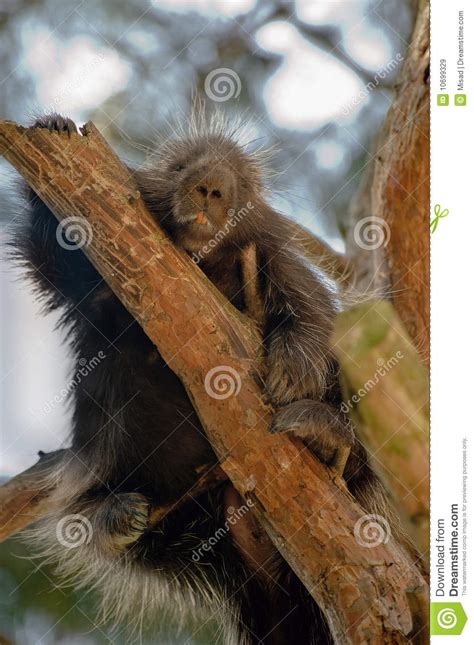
[34, 610]
[166, 56]
[132, 66]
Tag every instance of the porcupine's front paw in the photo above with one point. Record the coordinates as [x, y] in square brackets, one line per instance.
[293, 375]
[56, 123]
[53, 123]
[326, 432]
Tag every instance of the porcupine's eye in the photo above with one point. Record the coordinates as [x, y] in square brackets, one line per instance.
[178, 168]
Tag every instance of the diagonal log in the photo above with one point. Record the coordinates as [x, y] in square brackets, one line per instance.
[22, 500]
[365, 593]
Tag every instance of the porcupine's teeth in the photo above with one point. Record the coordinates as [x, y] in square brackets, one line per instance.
[201, 218]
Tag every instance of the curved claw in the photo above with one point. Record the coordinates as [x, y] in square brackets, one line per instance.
[340, 458]
[56, 123]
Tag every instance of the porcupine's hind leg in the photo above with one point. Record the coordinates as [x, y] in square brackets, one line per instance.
[104, 524]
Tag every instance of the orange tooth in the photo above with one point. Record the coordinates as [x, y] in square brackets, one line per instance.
[201, 218]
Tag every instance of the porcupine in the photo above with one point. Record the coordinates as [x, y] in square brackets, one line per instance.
[136, 439]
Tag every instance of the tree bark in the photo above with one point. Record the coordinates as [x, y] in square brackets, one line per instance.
[389, 390]
[394, 197]
[365, 593]
[22, 500]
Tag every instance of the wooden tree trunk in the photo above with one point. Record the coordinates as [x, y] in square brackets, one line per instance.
[388, 244]
[365, 593]
[394, 196]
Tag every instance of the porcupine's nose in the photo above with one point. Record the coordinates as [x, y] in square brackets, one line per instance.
[209, 191]
[214, 190]
[202, 190]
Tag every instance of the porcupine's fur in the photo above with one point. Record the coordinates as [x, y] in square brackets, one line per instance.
[136, 438]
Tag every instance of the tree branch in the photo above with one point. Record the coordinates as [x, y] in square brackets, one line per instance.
[24, 500]
[388, 245]
[394, 197]
[304, 507]
[328, 39]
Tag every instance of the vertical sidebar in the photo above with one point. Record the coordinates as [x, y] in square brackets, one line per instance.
[452, 320]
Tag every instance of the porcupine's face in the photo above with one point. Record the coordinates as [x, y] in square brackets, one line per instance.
[209, 182]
